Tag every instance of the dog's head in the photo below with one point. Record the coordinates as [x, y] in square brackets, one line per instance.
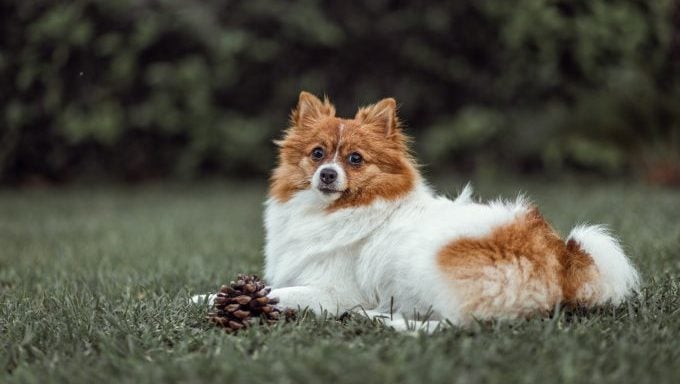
[346, 162]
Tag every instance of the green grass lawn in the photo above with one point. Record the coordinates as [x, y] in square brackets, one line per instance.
[94, 284]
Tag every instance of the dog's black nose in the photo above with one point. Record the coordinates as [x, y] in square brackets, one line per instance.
[328, 175]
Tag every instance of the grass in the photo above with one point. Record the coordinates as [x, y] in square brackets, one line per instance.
[94, 284]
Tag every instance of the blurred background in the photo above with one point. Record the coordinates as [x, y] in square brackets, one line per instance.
[138, 90]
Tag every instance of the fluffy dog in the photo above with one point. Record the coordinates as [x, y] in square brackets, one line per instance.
[351, 224]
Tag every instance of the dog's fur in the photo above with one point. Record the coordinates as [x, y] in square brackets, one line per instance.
[376, 238]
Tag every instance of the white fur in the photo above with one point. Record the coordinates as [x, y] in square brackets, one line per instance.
[341, 127]
[380, 257]
[617, 276]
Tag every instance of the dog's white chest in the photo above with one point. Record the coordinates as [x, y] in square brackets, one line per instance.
[307, 245]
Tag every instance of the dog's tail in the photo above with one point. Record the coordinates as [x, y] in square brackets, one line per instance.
[613, 278]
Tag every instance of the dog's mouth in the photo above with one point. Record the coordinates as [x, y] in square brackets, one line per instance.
[328, 190]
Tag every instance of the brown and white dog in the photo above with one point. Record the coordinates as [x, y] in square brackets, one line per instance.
[351, 224]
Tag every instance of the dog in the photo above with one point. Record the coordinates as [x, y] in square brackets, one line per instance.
[351, 225]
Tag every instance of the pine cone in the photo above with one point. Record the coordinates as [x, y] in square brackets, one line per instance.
[245, 302]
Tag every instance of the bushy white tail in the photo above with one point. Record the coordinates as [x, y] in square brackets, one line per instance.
[617, 277]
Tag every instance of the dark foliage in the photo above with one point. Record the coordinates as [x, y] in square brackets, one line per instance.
[169, 88]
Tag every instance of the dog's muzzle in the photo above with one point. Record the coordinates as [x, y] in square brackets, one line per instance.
[330, 179]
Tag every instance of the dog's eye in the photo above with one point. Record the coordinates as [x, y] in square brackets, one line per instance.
[355, 158]
[317, 153]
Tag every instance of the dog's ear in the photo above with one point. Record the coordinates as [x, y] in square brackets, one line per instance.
[310, 108]
[382, 115]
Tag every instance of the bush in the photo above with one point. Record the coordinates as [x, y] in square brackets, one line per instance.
[183, 88]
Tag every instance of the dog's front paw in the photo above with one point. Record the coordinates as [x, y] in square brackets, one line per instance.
[207, 299]
[285, 298]
[314, 299]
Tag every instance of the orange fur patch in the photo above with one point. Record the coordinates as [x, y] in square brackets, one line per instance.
[578, 276]
[387, 170]
[519, 268]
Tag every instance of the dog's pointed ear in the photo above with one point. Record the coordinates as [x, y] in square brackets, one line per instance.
[382, 115]
[310, 108]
